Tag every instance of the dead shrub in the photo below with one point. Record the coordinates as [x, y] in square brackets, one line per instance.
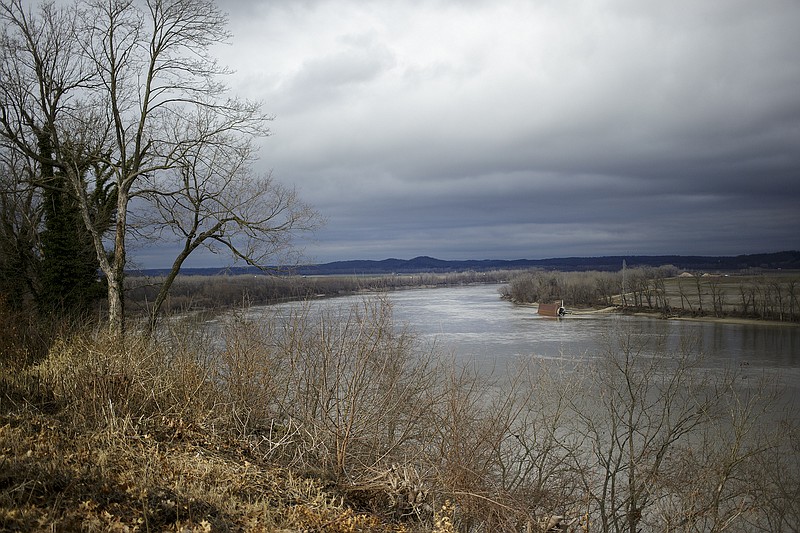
[356, 386]
[100, 378]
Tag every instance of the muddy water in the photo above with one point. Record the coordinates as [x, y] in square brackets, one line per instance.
[475, 325]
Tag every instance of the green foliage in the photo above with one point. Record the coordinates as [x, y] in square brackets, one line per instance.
[69, 263]
[49, 257]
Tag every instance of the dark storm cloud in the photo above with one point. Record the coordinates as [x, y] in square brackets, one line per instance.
[531, 129]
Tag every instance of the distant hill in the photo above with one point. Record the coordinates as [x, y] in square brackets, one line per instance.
[789, 260]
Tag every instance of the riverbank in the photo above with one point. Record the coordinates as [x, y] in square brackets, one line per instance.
[738, 321]
[262, 428]
[195, 293]
[588, 311]
[742, 321]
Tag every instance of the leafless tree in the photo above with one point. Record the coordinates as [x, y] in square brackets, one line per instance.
[639, 410]
[726, 472]
[698, 283]
[607, 286]
[684, 297]
[777, 287]
[717, 295]
[747, 294]
[39, 67]
[213, 200]
[791, 289]
[129, 87]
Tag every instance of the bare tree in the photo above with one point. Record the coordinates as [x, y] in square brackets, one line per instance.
[212, 200]
[717, 294]
[153, 70]
[748, 296]
[607, 285]
[698, 282]
[728, 471]
[41, 69]
[791, 289]
[777, 289]
[141, 99]
[640, 409]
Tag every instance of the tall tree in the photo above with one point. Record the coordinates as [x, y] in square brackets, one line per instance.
[40, 69]
[141, 100]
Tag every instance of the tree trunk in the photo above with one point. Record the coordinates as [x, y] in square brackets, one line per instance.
[116, 272]
[164, 290]
[116, 311]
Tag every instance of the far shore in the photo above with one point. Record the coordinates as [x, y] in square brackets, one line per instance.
[714, 319]
[736, 320]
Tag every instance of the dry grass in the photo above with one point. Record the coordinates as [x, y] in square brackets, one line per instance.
[183, 432]
[341, 422]
[104, 436]
[122, 478]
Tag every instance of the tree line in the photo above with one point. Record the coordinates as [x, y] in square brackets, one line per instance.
[194, 293]
[667, 291]
[116, 129]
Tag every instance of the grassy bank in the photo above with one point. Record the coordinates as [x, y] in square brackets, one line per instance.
[343, 422]
[155, 435]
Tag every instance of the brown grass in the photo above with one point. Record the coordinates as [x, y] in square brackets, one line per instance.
[342, 422]
[122, 478]
[104, 436]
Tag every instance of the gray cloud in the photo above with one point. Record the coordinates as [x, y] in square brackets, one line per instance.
[531, 129]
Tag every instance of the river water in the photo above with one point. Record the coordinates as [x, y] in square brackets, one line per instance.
[476, 326]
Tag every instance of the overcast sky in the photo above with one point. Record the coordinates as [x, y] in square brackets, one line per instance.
[545, 128]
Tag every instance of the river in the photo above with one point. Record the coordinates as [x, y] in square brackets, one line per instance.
[475, 325]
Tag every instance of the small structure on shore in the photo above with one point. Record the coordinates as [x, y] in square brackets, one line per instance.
[553, 310]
